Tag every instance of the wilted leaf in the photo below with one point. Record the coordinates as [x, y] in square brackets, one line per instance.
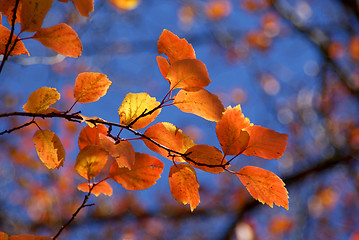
[90, 161]
[102, 187]
[90, 135]
[174, 47]
[90, 86]
[84, 7]
[125, 5]
[61, 38]
[136, 104]
[49, 148]
[169, 136]
[164, 66]
[146, 171]
[184, 185]
[264, 186]
[41, 99]
[33, 13]
[188, 74]
[7, 8]
[206, 158]
[28, 237]
[201, 103]
[4, 38]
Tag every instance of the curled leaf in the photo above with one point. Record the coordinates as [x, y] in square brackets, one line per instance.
[41, 99]
[90, 161]
[102, 187]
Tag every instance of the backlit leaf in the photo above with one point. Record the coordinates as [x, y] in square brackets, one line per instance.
[28, 237]
[164, 66]
[90, 86]
[135, 105]
[7, 8]
[184, 185]
[174, 47]
[206, 158]
[264, 186]
[84, 7]
[41, 99]
[102, 187]
[90, 161]
[201, 103]
[90, 135]
[230, 133]
[33, 13]
[265, 143]
[125, 5]
[61, 38]
[188, 74]
[4, 38]
[146, 171]
[49, 148]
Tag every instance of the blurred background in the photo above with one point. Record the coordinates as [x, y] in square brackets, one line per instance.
[293, 65]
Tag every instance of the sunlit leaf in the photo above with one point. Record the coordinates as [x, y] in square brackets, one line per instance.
[146, 171]
[33, 13]
[206, 158]
[188, 74]
[125, 5]
[4, 38]
[230, 133]
[174, 47]
[184, 185]
[135, 105]
[7, 8]
[265, 143]
[102, 187]
[164, 66]
[201, 103]
[90, 135]
[49, 148]
[90, 86]
[41, 99]
[90, 161]
[169, 136]
[28, 237]
[84, 7]
[264, 186]
[61, 38]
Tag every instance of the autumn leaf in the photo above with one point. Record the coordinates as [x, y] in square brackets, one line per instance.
[41, 99]
[49, 148]
[90, 161]
[145, 172]
[7, 8]
[123, 151]
[90, 86]
[184, 185]
[3, 236]
[61, 38]
[4, 38]
[90, 135]
[125, 5]
[28, 237]
[33, 13]
[134, 106]
[164, 66]
[169, 136]
[174, 47]
[264, 186]
[84, 7]
[201, 103]
[206, 158]
[188, 74]
[102, 187]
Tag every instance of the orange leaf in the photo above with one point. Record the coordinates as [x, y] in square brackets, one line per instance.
[33, 13]
[90, 135]
[84, 7]
[90, 161]
[135, 105]
[61, 38]
[102, 187]
[201, 103]
[28, 237]
[164, 66]
[49, 148]
[7, 8]
[3, 236]
[184, 185]
[265, 143]
[41, 99]
[90, 86]
[4, 38]
[123, 151]
[169, 136]
[264, 186]
[125, 5]
[144, 173]
[188, 74]
[174, 47]
[206, 158]
[230, 133]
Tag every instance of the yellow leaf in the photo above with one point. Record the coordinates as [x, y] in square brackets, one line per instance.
[84, 7]
[184, 185]
[125, 5]
[102, 187]
[135, 105]
[90, 161]
[49, 148]
[145, 172]
[33, 13]
[90, 86]
[264, 186]
[41, 99]
[4, 38]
